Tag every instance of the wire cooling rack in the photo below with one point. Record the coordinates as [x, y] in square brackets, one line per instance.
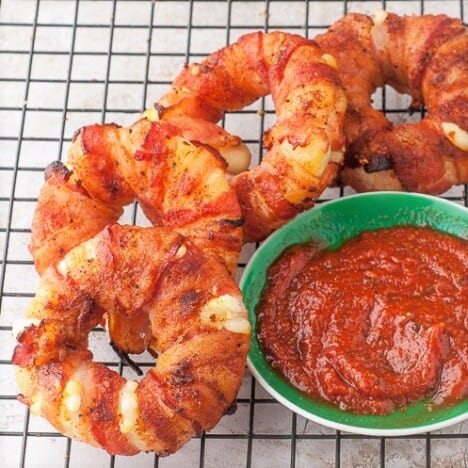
[64, 64]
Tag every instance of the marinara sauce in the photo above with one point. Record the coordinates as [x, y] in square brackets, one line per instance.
[376, 325]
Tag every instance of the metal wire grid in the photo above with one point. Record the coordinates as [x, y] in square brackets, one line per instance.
[72, 62]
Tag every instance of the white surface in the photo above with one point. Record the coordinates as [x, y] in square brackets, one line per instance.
[46, 124]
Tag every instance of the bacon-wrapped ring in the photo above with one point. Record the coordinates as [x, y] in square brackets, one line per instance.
[305, 145]
[425, 57]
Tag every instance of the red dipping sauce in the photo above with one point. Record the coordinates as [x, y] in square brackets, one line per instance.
[374, 326]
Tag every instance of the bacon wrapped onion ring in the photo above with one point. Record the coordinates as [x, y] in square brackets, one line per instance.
[425, 57]
[169, 289]
[305, 145]
[198, 324]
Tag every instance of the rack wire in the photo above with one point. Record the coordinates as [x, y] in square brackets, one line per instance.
[67, 63]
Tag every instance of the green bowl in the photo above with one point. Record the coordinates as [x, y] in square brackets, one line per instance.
[331, 224]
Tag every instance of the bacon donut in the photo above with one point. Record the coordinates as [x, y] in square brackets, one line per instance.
[425, 57]
[305, 145]
[198, 325]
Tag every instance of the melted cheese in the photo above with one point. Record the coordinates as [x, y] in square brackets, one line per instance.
[151, 114]
[456, 135]
[313, 157]
[227, 312]
[128, 406]
[72, 396]
[181, 251]
[36, 404]
[83, 256]
[237, 157]
[379, 17]
[330, 60]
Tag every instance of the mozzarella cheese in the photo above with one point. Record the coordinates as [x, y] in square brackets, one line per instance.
[227, 312]
[456, 135]
[72, 395]
[128, 405]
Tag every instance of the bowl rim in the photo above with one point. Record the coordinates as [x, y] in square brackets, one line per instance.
[361, 430]
[276, 394]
